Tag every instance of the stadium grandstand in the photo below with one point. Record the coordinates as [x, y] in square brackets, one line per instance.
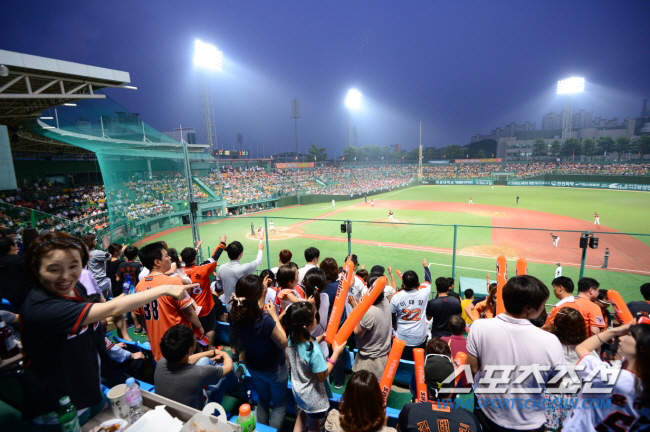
[88, 180]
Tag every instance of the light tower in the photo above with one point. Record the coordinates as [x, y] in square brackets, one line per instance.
[207, 57]
[295, 114]
[569, 86]
[420, 154]
[353, 103]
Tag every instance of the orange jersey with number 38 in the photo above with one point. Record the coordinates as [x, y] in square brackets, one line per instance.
[163, 313]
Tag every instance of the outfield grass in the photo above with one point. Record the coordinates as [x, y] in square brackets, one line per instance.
[622, 210]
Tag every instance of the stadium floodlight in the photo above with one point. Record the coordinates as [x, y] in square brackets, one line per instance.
[353, 99]
[571, 85]
[207, 56]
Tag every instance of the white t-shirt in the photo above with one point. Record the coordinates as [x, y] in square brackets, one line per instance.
[505, 341]
[623, 398]
[410, 307]
[357, 287]
[303, 271]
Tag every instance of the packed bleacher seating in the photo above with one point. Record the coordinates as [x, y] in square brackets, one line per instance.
[468, 171]
[604, 169]
[252, 187]
[219, 341]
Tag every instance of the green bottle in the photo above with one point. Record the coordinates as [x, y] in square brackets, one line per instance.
[246, 418]
[68, 416]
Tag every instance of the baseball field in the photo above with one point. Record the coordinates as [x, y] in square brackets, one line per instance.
[423, 229]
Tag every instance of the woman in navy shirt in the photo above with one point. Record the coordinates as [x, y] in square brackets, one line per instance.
[259, 330]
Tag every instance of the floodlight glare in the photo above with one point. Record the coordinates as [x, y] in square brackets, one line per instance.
[353, 99]
[207, 56]
[571, 85]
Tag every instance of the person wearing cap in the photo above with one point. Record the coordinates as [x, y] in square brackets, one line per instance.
[558, 270]
[563, 290]
[439, 408]
[378, 270]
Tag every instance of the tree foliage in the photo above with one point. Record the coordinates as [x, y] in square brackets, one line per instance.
[605, 145]
[317, 153]
[540, 148]
[589, 146]
[571, 147]
[623, 145]
[644, 144]
[556, 146]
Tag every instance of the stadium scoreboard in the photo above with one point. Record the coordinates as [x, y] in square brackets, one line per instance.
[231, 153]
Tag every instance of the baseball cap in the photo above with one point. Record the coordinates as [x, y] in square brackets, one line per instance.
[377, 269]
[437, 368]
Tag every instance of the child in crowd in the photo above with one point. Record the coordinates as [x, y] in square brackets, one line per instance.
[289, 290]
[456, 341]
[309, 369]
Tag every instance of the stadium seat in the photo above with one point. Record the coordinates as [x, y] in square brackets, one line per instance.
[222, 334]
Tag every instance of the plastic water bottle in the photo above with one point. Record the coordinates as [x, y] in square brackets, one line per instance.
[133, 398]
[126, 286]
[8, 345]
[246, 419]
[68, 416]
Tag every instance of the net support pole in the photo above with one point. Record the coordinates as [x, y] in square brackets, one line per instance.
[268, 250]
[196, 236]
[583, 262]
[349, 230]
[453, 255]
[33, 218]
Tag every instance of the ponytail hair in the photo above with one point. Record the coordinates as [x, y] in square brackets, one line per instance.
[315, 283]
[296, 320]
[245, 300]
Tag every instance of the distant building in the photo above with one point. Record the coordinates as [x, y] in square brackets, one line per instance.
[521, 145]
[509, 131]
[189, 134]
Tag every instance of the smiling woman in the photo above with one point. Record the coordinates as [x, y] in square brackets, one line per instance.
[61, 334]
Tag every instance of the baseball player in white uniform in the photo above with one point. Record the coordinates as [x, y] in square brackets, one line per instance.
[470, 200]
[390, 215]
[556, 239]
[558, 270]
[596, 219]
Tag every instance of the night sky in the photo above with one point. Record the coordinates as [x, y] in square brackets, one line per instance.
[460, 67]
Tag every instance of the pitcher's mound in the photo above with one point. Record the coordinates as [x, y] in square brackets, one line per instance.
[279, 233]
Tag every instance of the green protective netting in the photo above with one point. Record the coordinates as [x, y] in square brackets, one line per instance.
[143, 170]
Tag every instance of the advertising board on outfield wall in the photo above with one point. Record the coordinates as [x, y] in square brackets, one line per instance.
[295, 165]
[462, 161]
[457, 182]
[593, 185]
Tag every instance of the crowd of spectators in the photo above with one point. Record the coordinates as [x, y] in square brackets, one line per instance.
[250, 184]
[246, 187]
[604, 169]
[468, 171]
[277, 321]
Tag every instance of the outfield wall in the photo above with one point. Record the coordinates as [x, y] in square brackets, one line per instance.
[581, 184]
[593, 178]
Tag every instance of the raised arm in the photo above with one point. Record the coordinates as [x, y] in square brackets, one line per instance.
[427, 272]
[124, 304]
